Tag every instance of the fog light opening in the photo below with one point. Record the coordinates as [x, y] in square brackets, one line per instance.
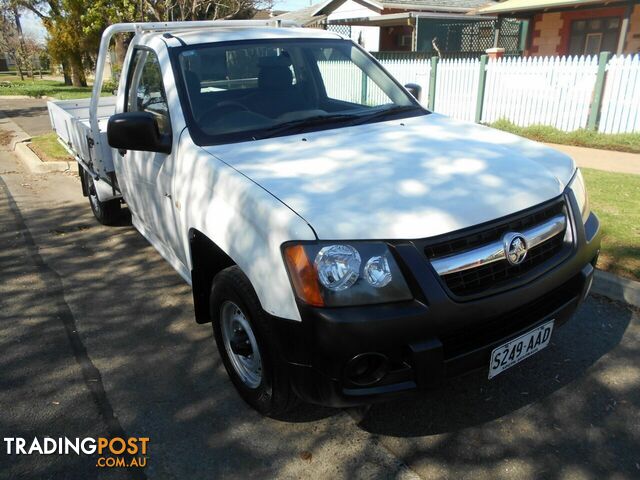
[367, 369]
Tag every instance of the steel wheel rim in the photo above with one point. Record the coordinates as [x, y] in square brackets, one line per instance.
[248, 367]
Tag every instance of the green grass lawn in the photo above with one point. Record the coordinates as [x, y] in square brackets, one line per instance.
[43, 88]
[48, 148]
[622, 142]
[615, 198]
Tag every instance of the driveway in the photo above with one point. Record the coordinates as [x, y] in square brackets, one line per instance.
[97, 338]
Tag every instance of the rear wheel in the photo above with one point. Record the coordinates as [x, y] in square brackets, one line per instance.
[107, 213]
[247, 344]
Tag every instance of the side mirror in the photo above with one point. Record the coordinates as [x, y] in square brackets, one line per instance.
[137, 131]
[414, 89]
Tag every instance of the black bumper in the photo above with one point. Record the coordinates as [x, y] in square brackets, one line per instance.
[432, 337]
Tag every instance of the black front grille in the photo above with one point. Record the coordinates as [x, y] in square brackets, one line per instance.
[514, 321]
[496, 275]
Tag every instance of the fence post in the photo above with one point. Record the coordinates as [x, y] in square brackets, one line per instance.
[481, 85]
[598, 89]
[432, 83]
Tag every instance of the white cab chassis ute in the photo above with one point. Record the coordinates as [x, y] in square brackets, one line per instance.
[347, 244]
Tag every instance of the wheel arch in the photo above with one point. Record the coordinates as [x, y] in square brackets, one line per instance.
[207, 260]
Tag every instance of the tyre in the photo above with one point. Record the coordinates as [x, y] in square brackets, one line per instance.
[107, 213]
[247, 344]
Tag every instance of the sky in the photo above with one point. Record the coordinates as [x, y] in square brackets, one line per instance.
[292, 4]
[33, 26]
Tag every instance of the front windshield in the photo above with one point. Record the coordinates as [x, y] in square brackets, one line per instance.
[247, 90]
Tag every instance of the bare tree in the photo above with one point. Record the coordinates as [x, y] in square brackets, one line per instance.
[172, 10]
[11, 38]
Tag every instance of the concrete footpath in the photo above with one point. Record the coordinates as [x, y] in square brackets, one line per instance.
[606, 160]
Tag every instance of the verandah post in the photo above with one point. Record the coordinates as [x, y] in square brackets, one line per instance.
[598, 89]
[481, 86]
[432, 83]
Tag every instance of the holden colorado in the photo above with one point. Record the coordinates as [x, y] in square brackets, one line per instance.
[347, 244]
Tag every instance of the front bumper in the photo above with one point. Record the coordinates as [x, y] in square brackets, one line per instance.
[432, 337]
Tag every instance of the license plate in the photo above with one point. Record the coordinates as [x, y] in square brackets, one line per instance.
[507, 355]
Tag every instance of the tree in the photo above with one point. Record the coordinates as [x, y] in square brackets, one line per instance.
[66, 43]
[75, 26]
[170, 10]
[11, 37]
[102, 13]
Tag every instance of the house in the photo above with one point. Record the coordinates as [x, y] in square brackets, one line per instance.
[443, 27]
[574, 27]
[313, 16]
[267, 14]
[6, 62]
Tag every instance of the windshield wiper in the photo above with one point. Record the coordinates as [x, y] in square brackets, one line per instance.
[295, 126]
[387, 112]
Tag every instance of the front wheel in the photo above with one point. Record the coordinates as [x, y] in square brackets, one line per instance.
[107, 213]
[247, 344]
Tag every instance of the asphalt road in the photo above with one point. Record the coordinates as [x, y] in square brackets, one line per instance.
[97, 338]
[29, 113]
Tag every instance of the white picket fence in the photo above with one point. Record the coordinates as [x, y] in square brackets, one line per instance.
[621, 99]
[410, 71]
[552, 91]
[457, 88]
[407, 71]
[556, 91]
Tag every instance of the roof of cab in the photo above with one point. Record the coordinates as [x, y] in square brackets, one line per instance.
[229, 34]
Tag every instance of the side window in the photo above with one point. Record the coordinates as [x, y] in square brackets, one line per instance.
[145, 89]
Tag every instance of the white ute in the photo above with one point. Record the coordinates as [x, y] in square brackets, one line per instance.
[347, 244]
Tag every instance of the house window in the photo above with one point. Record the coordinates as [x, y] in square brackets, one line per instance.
[404, 40]
[595, 35]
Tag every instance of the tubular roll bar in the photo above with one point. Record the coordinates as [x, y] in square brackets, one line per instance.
[141, 27]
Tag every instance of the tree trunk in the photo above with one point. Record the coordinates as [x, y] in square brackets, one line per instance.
[20, 72]
[77, 73]
[121, 49]
[66, 72]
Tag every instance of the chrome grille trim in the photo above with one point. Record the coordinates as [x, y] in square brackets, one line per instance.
[494, 252]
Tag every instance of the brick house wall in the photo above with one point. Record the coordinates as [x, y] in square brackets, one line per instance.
[633, 36]
[546, 34]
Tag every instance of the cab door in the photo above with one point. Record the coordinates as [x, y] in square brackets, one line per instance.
[148, 176]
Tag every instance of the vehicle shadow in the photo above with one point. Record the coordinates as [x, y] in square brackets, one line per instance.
[33, 111]
[473, 400]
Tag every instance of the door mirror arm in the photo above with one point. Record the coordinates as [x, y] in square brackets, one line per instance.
[414, 89]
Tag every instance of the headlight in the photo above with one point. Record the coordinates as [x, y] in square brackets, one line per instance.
[338, 266]
[340, 274]
[579, 189]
